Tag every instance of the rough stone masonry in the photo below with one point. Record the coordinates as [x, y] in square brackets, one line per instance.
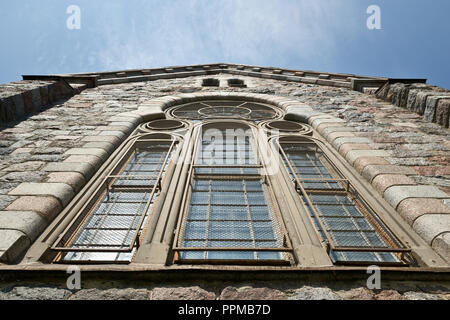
[55, 136]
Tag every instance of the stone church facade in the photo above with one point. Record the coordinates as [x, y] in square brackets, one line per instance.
[321, 175]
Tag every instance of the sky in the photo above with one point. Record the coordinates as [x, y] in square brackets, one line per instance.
[320, 35]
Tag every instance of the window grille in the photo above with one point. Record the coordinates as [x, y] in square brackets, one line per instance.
[109, 227]
[351, 230]
[231, 215]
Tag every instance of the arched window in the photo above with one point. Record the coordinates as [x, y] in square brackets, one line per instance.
[230, 214]
[109, 226]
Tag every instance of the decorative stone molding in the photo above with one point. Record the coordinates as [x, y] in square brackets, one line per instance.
[66, 178]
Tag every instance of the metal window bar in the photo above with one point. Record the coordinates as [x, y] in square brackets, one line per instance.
[238, 210]
[324, 173]
[135, 203]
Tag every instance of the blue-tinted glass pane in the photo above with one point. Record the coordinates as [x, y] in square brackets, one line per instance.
[263, 231]
[197, 212]
[230, 255]
[227, 198]
[259, 213]
[256, 198]
[229, 213]
[269, 255]
[229, 230]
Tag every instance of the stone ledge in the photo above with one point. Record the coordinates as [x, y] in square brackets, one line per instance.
[129, 125]
[47, 207]
[98, 152]
[347, 147]
[412, 208]
[74, 179]
[340, 141]
[108, 147]
[396, 194]
[119, 134]
[418, 97]
[86, 169]
[12, 244]
[110, 139]
[315, 121]
[60, 191]
[326, 130]
[125, 129]
[28, 222]
[322, 127]
[363, 162]
[127, 117]
[353, 155]
[25, 97]
[443, 113]
[322, 115]
[149, 114]
[430, 226]
[441, 244]
[370, 172]
[383, 181]
[93, 161]
[301, 114]
[340, 134]
[431, 106]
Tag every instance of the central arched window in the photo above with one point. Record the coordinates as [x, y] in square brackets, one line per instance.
[230, 214]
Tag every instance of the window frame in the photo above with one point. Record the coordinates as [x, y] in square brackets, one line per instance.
[287, 250]
[96, 189]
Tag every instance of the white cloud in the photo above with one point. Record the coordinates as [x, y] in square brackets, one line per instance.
[200, 31]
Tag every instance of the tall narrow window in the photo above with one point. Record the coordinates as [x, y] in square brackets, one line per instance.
[353, 232]
[109, 227]
[230, 213]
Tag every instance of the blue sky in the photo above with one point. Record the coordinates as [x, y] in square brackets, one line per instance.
[322, 35]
